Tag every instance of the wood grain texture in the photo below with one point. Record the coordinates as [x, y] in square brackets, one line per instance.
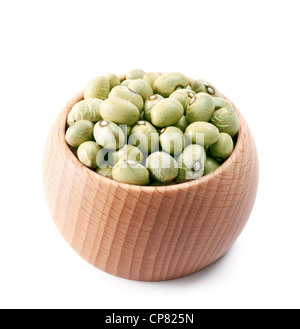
[149, 233]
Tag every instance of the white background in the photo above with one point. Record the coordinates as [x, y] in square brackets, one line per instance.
[51, 49]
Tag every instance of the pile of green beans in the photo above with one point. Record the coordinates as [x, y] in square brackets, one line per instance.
[152, 128]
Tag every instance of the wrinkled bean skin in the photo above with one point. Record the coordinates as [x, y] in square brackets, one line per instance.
[97, 88]
[113, 80]
[226, 120]
[106, 172]
[87, 109]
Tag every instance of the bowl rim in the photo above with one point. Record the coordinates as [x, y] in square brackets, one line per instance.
[149, 189]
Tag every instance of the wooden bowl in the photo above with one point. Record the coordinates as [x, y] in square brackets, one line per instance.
[149, 233]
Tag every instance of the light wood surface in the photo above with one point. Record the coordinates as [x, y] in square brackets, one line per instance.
[149, 233]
